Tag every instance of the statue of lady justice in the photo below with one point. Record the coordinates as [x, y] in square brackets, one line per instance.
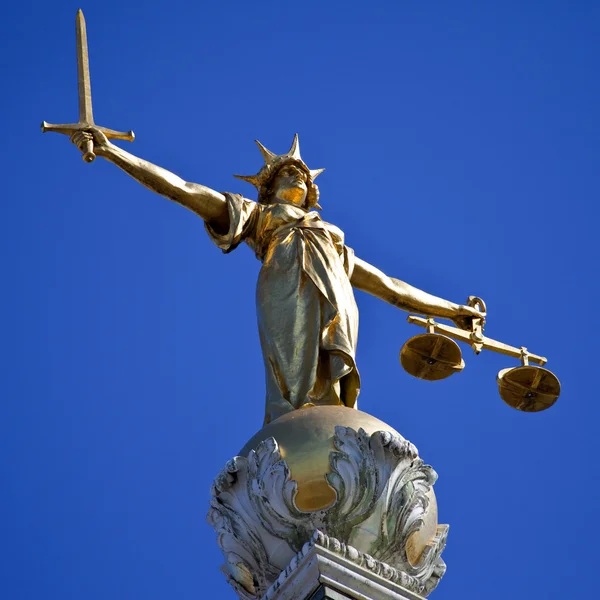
[307, 315]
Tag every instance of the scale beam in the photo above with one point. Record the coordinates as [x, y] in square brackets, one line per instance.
[474, 339]
[435, 355]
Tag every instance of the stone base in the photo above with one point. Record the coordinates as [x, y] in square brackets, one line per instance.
[322, 573]
[381, 517]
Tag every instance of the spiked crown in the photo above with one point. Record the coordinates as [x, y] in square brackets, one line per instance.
[273, 162]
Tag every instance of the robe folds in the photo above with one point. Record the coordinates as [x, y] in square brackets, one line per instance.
[307, 314]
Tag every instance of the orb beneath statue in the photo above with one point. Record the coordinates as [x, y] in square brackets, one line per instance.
[306, 439]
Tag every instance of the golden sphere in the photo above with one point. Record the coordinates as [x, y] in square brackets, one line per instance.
[305, 440]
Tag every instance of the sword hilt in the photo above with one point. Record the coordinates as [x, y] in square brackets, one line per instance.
[70, 128]
[88, 155]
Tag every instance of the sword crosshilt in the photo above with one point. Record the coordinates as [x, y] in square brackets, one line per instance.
[86, 116]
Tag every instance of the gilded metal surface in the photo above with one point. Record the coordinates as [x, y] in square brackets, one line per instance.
[431, 356]
[478, 339]
[308, 319]
[83, 71]
[527, 388]
[86, 117]
[428, 356]
[307, 314]
[305, 439]
[273, 163]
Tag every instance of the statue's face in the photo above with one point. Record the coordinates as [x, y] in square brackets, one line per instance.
[289, 185]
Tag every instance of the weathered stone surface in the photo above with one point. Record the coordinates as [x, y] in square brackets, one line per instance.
[322, 570]
[383, 492]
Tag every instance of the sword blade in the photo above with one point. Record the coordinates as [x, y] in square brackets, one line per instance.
[83, 72]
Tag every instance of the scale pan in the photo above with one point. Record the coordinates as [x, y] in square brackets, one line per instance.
[431, 356]
[528, 388]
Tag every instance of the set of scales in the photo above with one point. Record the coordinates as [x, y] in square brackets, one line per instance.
[435, 355]
[431, 356]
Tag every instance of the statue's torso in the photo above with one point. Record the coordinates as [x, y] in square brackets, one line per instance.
[282, 223]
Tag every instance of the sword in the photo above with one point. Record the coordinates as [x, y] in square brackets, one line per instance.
[86, 116]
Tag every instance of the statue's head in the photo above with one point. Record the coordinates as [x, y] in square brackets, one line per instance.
[285, 178]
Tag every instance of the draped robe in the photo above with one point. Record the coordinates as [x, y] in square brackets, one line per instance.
[307, 314]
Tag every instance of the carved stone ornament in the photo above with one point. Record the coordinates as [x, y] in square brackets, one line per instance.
[383, 490]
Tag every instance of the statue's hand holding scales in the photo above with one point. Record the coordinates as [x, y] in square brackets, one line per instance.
[307, 278]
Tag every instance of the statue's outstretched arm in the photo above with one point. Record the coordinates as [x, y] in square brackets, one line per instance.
[398, 293]
[207, 203]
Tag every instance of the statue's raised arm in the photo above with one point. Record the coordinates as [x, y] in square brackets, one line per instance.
[307, 315]
[205, 202]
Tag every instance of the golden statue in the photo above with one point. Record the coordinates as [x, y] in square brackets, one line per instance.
[307, 315]
[333, 469]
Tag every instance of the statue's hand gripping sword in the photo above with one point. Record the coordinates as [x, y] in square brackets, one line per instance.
[86, 117]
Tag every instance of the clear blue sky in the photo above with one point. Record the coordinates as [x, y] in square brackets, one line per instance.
[461, 141]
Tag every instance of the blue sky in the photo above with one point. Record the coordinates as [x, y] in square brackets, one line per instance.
[461, 146]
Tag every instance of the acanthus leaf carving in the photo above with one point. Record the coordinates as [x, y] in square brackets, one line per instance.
[382, 494]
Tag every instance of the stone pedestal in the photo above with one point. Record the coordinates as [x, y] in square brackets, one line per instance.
[328, 502]
[327, 569]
